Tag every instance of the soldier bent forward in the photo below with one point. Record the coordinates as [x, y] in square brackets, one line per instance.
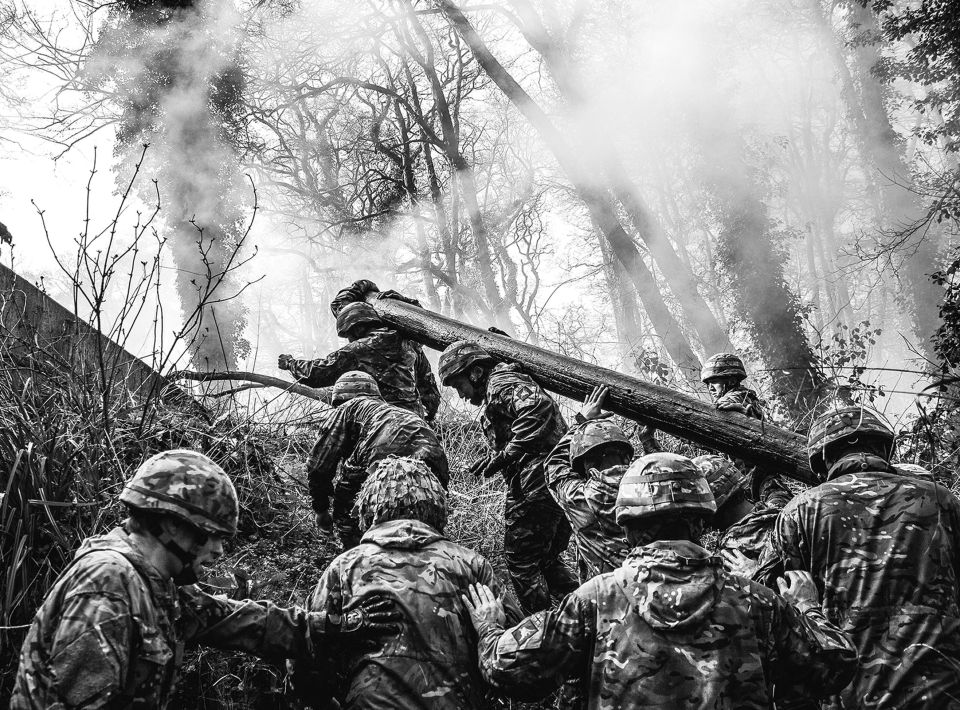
[523, 424]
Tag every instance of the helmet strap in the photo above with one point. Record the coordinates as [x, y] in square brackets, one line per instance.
[187, 558]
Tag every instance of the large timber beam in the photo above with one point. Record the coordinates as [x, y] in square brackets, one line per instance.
[678, 414]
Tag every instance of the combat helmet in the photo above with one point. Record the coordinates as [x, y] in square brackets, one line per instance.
[354, 383]
[661, 484]
[594, 433]
[187, 485]
[354, 314]
[723, 365]
[401, 487]
[459, 357]
[722, 476]
[843, 422]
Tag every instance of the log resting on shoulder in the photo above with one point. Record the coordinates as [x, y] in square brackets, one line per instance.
[759, 443]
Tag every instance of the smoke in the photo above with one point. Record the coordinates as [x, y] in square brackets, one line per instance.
[173, 70]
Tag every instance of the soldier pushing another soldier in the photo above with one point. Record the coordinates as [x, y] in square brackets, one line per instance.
[669, 628]
[111, 631]
[884, 550]
[359, 431]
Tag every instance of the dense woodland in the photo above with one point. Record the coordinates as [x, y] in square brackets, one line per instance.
[636, 183]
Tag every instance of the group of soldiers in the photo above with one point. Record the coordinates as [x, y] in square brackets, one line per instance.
[842, 596]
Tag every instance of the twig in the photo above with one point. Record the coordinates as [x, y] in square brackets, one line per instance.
[322, 395]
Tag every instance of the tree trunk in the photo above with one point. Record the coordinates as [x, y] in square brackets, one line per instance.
[602, 211]
[735, 434]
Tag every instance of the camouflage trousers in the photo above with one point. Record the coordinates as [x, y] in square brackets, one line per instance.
[345, 490]
[536, 535]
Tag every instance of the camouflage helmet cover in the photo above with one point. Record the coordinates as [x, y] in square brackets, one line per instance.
[354, 314]
[188, 485]
[594, 433]
[724, 478]
[723, 365]
[662, 484]
[840, 423]
[354, 383]
[460, 356]
[401, 487]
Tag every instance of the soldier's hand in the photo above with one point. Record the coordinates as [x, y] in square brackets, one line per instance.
[377, 615]
[483, 606]
[283, 362]
[325, 522]
[593, 405]
[498, 331]
[737, 563]
[487, 467]
[798, 588]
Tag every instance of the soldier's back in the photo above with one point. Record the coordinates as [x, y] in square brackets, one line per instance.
[432, 662]
[885, 548]
[390, 359]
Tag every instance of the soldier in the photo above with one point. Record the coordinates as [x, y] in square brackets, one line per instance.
[404, 556]
[523, 424]
[111, 631]
[399, 367]
[884, 549]
[669, 628]
[583, 473]
[723, 374]
[746, 529]
[359, 431]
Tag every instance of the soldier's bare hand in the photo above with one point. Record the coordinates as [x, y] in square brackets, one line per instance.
[283, 362]
[735, 562]
[798, 588]
[484, 607]
[593, 405]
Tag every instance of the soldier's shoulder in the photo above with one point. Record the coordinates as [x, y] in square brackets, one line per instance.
[102, 572]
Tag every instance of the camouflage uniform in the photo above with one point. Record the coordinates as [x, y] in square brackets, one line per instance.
[355, 435]
[111, 632]
[432, 662]
[885, 551]
[743, 400]
[399, 366]
[668, 629]
[523, 423]
[588, 501]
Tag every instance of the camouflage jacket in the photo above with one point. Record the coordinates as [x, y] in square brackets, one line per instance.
[885, 552]
[432, 662]
[111, 632]
[669, 629]
[588, 501]
[753, 533]
[524, 423]
[399, 366]
[362, 431]
[743, 400]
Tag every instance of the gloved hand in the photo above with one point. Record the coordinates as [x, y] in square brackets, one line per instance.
[325, 522]
[397, 296]
[495, 329]
[376, 615]
[283, 362]
[487, 467]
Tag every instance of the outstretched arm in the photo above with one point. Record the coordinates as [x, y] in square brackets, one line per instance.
[535, 656]
[322, 372]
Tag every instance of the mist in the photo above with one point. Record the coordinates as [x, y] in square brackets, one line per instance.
[732, 144]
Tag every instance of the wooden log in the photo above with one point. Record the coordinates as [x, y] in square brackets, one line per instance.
[759, 443]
